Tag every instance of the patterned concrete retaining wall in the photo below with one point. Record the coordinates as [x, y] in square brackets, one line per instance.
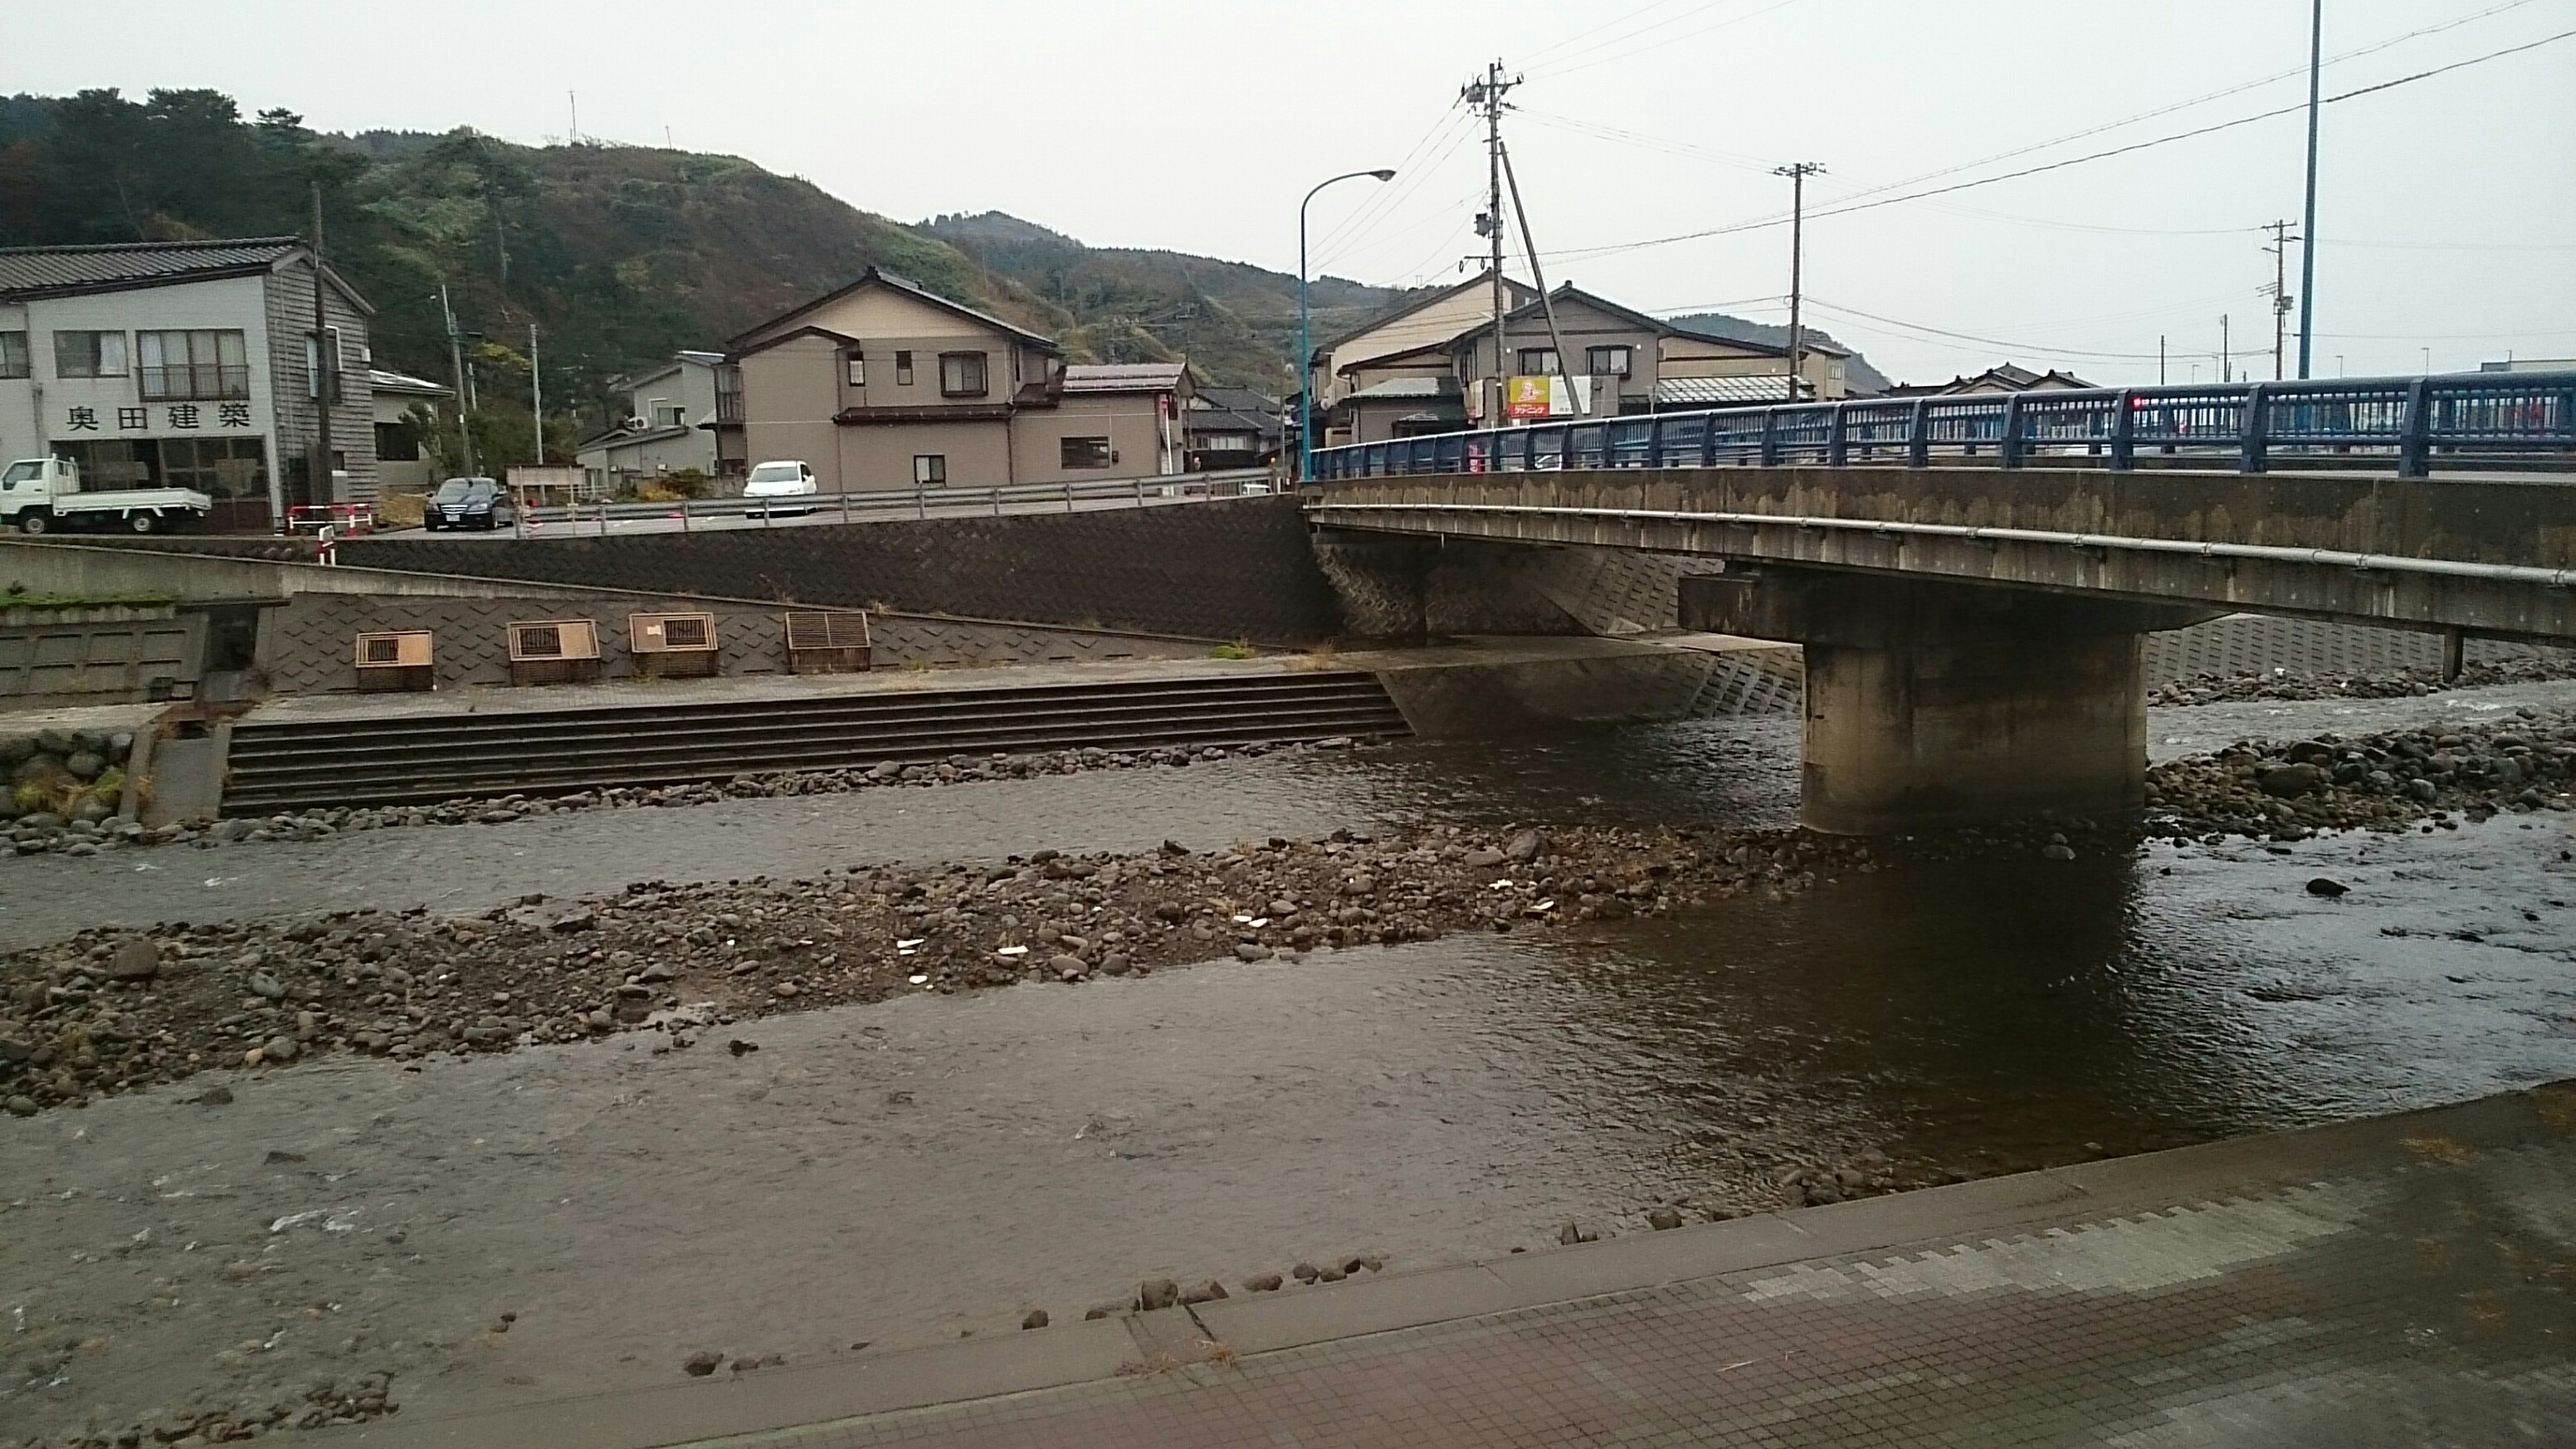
[1216, 570]
[306, 646]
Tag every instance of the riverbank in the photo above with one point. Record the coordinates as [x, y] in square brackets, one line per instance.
[489, 1221]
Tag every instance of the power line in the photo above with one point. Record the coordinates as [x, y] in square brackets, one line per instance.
[2009, 346]
[1618, 55]
[2202, 99]
[1849, 207]
[1554, 46]
[1379, 202]
[1684, 148]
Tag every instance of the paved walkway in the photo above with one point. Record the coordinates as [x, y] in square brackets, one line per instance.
[2402, 1281]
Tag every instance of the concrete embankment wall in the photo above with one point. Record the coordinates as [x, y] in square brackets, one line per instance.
[1216, 570]
[306, 646]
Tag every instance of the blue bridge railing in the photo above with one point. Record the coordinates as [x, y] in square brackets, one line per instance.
[2475, 419]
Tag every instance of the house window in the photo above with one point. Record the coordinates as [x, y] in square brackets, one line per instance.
[857, 364]
[1086, 453]
[929, 470]
[669, 415]
[903, 369]
[397, 443]
[13, 354]
[1539, 362]
[204, 363]
[961, 374]
[89, 354]
[1607, 361]
[323, 351]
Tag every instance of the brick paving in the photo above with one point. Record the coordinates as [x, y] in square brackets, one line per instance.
[2424, 1304]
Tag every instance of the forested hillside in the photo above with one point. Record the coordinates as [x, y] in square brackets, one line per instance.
[620, 254]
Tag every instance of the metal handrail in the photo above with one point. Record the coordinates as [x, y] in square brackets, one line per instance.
[2495, 419]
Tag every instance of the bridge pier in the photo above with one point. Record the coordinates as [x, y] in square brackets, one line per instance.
[1932, 704]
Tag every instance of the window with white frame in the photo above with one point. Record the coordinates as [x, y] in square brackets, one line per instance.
[961, 374]
[199, 363]
[854, 364]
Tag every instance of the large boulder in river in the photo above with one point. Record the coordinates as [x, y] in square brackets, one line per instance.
[2289, 782]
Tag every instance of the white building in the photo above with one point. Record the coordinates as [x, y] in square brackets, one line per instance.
[187, 364]
[670, 424]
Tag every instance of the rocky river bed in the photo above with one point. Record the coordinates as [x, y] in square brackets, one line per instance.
[336, 1161]
[111, 1010]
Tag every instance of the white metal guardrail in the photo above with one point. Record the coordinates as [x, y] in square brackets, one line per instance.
[882, 504]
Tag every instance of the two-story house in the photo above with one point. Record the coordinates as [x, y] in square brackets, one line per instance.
[887, 384]
[670, 422]
[195, 364]
[1402, 376]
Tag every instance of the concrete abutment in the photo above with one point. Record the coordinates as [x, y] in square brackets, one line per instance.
[1932, 704]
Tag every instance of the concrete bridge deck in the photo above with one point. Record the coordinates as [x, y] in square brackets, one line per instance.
[2490, 555]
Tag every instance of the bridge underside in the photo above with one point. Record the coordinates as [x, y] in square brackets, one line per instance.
[1973, 637]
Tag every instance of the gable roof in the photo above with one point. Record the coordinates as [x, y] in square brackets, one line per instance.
[33, 273]
[826, 333]
[1663, 327]
[880, 277]
[384, 379]
[1484, 278]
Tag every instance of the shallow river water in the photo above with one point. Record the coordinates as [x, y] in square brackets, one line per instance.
[915, 1169]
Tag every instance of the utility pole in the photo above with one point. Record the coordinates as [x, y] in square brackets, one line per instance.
[1797, 173]
[2308, 233]
[537, 395]
[319, 479]
[1486, 94]
[1538, 277]
[456, 360]
[2160, 359]
[2280, 250]
[2226, 351]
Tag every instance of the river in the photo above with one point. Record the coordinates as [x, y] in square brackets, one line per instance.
[912, 1170]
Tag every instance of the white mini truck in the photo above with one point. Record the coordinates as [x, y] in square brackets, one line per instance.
[41, 494]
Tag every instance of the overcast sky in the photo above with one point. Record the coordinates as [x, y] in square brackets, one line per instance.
[2448, 213]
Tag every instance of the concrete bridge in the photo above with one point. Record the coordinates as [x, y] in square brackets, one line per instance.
[1972, 577]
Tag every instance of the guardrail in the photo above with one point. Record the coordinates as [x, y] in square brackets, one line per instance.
[2489, 420]
[879, 504]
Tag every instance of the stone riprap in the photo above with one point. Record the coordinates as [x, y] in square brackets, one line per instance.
[63, 781]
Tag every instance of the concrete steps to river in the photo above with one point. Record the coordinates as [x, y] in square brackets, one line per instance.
[425, 758]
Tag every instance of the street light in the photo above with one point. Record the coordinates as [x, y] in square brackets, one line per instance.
[1305, 345]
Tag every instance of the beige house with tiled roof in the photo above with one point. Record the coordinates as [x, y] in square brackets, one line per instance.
[887, 384]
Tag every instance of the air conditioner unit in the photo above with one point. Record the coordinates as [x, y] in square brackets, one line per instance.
[397, 659]
[827, 643]
[673, 644]
[553, 651]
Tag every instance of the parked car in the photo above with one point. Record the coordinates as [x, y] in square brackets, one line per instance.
[469, 503]
[782, 478]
